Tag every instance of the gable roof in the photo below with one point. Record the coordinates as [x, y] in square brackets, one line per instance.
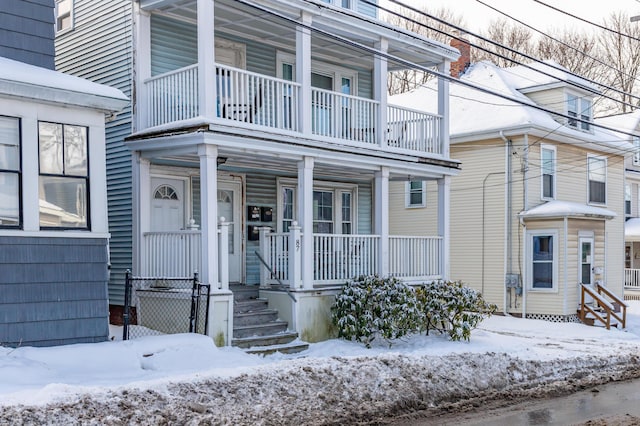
[26, 81]
[476, 115]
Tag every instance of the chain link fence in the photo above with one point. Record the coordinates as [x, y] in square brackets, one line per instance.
[154, 306]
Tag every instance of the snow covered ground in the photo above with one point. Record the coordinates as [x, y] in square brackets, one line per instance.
[185, 379]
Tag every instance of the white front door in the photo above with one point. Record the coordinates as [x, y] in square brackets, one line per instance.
[585, 268]
[167, 204]
[230, 207]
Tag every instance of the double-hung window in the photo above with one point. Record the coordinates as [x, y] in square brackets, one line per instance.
[597, 176]
[636, 150]
[627, 200]
[10, 173]
[416, 194]
[64, 176]
[542, 247]
[548, 166]
[64, 15]
[579, 108]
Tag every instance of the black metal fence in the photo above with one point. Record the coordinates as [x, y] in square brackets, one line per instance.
[154, 306]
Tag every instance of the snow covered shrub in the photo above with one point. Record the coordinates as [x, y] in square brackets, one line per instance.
[371, 307]
[450, 307]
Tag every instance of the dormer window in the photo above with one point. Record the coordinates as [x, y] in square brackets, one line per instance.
[579, 108]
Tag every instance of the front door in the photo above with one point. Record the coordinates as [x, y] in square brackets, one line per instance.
[230, 207]
[585, 269]
[167, 204]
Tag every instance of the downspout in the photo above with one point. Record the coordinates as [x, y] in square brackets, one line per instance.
[508, 249]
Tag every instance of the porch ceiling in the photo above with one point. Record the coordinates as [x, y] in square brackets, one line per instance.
[235, 18]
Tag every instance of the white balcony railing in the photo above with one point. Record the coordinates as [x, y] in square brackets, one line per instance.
[257, 99]
[632, 278]
[414, 258]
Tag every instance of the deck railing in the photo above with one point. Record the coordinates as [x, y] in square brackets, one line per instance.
[256, 99]
[632, 278]
[413, 258]
[338, 258]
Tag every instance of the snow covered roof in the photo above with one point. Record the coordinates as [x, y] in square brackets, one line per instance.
[632, 229]
[562, 209]
[475, 115]
[625, 122]
[18, 79]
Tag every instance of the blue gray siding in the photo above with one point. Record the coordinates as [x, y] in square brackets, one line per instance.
[53, 291]
[99, 49]
[27, 31]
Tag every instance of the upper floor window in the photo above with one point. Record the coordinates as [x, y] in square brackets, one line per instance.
[64, 176]
[347, 4]
[415, 193]
[627, 200]
[64, 15]
[636, 150]
[10, 174]
[597, 176]
[579, 108]
[548, 165]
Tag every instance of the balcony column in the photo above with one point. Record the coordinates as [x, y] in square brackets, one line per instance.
[382, 218]
[141, 64]
[209, 213]
[141, 184]
[303, 72]
[207, 96]
[380, 70]
[444, 191]
[443, 107]
[305, 219]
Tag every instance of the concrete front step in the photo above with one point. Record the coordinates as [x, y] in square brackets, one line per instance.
[251, 305]
[288, 348]
[263, 316]
[243, 292]
[272, 327]
[262, 341]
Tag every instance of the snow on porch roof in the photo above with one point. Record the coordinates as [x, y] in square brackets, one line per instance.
[632, 229]
[555, 209]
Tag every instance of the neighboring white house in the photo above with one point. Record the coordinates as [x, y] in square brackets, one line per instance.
[273, 115]
[538, 208]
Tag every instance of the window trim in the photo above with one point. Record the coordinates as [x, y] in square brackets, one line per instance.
[554, 268]
[338, 188]
[407, 195]
[579, 112]
[337, 73]
[600, 158]
[86, 178]
[18, 172]
[554, 174]
[71, 17]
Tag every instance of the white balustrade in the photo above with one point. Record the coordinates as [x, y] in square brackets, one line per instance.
[172, 254]
[172, 96]
[275, 251]
[415, 257]
[632, 278]
[346, 117]
[338, 258]
[413, 130]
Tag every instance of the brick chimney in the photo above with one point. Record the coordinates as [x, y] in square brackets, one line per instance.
[460, 66]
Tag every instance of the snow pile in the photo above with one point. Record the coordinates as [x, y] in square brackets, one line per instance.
[186, 379]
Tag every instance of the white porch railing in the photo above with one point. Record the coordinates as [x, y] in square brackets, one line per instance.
[338, 258]
[346, 117]
[172, 96]
[414, 258]
[414, 130]
[179, 254]
[275, 249]
[257, 99]
[632, 278]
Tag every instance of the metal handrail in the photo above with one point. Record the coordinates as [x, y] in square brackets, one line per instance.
[273, 275]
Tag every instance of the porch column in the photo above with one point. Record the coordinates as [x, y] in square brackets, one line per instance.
[444, 190]
[443, 107]
[305, 218]
[382, 218]
[141, 64]
[303, 72]
[141, 200]
[209, 213]
[380, 68]
[207, 96]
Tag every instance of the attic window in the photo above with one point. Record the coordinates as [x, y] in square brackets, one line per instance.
[64, 15]
[579, 108]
